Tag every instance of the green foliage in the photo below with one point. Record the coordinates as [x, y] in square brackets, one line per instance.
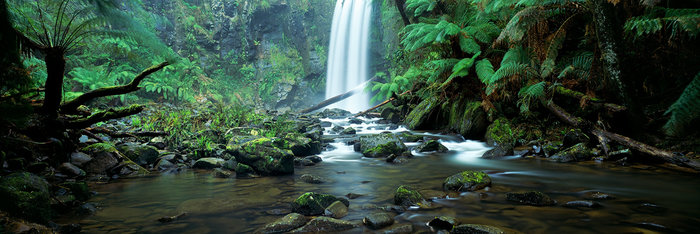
[461, 69]
[530, 93]
[578, 66]
[420, 7]
[422, 34]
[678, 21]
[685, 110]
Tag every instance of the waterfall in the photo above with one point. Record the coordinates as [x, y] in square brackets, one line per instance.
[347, 54]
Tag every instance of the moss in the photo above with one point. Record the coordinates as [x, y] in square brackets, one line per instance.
[311, 203]
[406, 196]
[382, 150]
[25, 195]
[80, 190]
[417, 118]
[500, 133]
[467, 181]
[99, 147]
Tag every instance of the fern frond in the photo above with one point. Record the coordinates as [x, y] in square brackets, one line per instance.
[578, 66]
[529, 93]
[419, 35]
[420, 7]
[685, 110]
[484, 70]
[439, 67]
[679, 21]
[554, 45]
[461, 68]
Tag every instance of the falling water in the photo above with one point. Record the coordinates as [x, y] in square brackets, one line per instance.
[347, 58]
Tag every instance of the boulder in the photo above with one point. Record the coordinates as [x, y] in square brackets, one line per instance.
[404, 228]
[129, 168]
[266, 156]
[141, 154]
[500, 136]
[336, 210]
[158, 142]
[467, 181]
[208, 163]
[79, 158]
[378, 220]
[80, 190]
[573, 137]
[432, 146]
[315, 204]
[71, 170]
[480, 228]
[335, 113]
[419, 117]
[303, 146]
[243, 170]
[163, 165]
[443, 223]
[348, 131]
[533, 198]
[381, 145]
[26, 196]
[410, 137]
[582, 204]
[220, 173]
[578, 152]
[407, 196]
[312, 179]
[325, 225]
[467, 118]
[103, 158]
[285, 224]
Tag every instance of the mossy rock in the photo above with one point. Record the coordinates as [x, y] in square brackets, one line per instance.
[407, 196]
[534, 198]
[419, 117]
[432, 146]
[314, 204]
[141, 154]
[267, 156]
[99, 148]
[80, 190]
[410, 137]
[381, 145]
[103, 158]
[25, 195]
[285, 224]
[467, 118]
[243, 170]
[302, 146]
[578, 152]
[467, 181]
[500, 132]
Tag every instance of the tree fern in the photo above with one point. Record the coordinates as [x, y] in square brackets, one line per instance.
[484, 70]
[529, 93]
[680, 21]
[579, 66]
[420, 7]
[461, 68]
[422, 34]
[555, 44]
[685, 110]
[439, 67]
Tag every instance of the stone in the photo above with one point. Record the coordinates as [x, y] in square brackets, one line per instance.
[79, 158]
[419, 117]
[336, 210]
[443, 223]
[500, 135]
[381, 145]
[103, 158]
[314, 158]
[266, 156]
[407, 196]
[325, 225]
[335, 113]
[285, 224]
[303, 146]
[312, 179]
[552, 148]
[230, 164]
[337, 129]
[378, 220]
[208, 163]
[129, 168]
[348, 131]
[533, 198]
[497, 152]
[220, 173]
[573, 137]
[158, 142]
[467, 181]
[163, 165]
[410, 137]
[355, 121]
[467, 118]
[315, 204]
[578, 152]
[71, 170]
[582, 204]
[432, 146]
[598, 196]
[80, 190]
[400, 229]
[141, 154]
[87, 209]
[26, 196]
[479, 229]
[243, 170]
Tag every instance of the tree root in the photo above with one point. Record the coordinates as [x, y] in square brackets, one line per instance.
[102, 116]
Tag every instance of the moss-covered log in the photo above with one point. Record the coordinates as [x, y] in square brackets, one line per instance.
[72, 105]
[595, 102]
[103, 116]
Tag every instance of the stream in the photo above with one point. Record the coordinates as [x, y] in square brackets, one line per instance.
[645, 201]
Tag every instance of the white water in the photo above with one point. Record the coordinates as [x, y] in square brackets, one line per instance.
[347, 55]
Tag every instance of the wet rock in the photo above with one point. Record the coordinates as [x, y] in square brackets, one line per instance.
[500, 136]
[158, 142]
[533, 198]
[230, 164]
[79, 158]
[480, 229]
[336, 210]
[432, 146]
[355, 121]
[419, 117]
[103, 158]
[71, 170]
[497, 152]
[552, 148]
[220, 173]
[163, 165]
[87, 209]
[649, 208]
[168, 219]
[335, 113]
[141, 154]
[573, 137]
[325, 225]
[208, 163]
[582, 204]
[410, 137]
[80, 190]
[348, 131]
[467, 181]
[443, 223]
[467, 118]
[407, 196]
[243, 170]
[326, 124]
[303, 162]
[129, 168]
[337, 129]
[315, 204]
[266, 156]
[391, 158]
[312, 179]
[404, 228]
[285, 224]
[598, 196]
[314, 158]
[378, 220]
[381, 145]
[578, 152]
[353, 195]
[303, 146]
[25, 195]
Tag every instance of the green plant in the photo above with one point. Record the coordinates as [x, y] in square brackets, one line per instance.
[685, 110]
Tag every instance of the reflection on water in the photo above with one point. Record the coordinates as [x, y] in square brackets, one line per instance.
[217, 205]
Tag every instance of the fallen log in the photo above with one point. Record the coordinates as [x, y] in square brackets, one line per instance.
[104, 115]
[380, 104]
[595, 102]
[338, 98]
[115, 134]
[604, 137]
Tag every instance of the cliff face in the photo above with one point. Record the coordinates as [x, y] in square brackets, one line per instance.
[275, 50]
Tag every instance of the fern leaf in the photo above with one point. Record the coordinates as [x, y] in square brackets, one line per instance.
[484, 70]
[461, 68]
[529, 93]
[685, 110]
[468, 45]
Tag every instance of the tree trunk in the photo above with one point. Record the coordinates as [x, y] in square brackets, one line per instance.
[609, 44]
[55, 67]
[402, 11]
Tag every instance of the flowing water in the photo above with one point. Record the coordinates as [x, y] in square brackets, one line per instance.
[646, 201]
[347, 55]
